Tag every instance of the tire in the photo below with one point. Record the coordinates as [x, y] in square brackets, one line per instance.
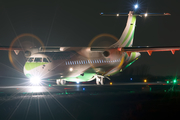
[63, 82]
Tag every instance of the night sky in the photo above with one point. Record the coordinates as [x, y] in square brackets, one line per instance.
[76, 23]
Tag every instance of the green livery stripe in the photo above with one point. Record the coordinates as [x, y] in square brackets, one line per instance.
[132, 36]
[125, 57]
[32, 65]
[130, 29]
[133, 56]
[86, 77]
[28, 75]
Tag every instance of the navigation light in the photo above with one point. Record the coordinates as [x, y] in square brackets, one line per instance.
[136, 6]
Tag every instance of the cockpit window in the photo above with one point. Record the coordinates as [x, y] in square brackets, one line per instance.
[45, 60]
[31, 59]
[38, 60]
[49, 59]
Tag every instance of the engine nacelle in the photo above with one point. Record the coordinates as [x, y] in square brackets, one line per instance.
[27, 53]
[106, 53]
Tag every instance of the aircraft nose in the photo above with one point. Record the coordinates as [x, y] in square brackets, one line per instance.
[33, 69]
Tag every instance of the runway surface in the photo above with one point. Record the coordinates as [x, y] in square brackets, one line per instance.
[119, 101]
[85, 88]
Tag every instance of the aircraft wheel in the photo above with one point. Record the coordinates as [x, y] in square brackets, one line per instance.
[102, 81]
[97, 81]
[58, 81]
[63, 82]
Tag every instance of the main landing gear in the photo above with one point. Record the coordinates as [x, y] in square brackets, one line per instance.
[100, 80]
[60, 82]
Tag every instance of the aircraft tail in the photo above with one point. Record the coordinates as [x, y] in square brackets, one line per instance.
[126, 39]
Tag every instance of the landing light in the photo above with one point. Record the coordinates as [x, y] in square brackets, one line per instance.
[35, 80]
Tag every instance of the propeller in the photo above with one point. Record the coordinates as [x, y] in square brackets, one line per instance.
[28, 44]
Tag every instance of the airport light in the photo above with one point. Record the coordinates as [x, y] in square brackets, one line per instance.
[110, 83]
[117, 14]
[146, 15]
[145, 80]
[49, 85]
[174, 81]
[167, 82]
[77, 82]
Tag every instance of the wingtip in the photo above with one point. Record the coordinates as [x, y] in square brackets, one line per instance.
[167, 14]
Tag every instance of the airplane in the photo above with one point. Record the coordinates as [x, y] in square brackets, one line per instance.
[83, 64]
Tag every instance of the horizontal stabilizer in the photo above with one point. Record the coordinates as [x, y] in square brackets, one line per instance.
[140, 14]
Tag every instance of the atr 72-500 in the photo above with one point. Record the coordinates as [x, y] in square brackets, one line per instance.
[82, 64]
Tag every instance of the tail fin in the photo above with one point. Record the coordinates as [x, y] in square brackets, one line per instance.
[126, 39]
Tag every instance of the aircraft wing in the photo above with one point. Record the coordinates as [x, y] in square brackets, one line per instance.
[128, 50]
[147, 49]
[11, 48]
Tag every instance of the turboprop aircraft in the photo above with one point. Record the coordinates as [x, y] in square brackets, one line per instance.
[82, 64]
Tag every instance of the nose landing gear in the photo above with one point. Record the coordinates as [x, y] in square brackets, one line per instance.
[60, 82]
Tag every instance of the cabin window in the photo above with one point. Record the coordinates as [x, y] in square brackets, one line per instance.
[31, 59]
[45, 60]
[38, 60]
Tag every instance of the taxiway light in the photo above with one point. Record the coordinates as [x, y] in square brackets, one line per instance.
[146, 15]
[167, 82]
[174, 81]
[49, 85]
[110, 83]
[136, 6]
[145, 80]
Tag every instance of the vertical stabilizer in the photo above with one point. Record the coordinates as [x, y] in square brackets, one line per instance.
[126, 39]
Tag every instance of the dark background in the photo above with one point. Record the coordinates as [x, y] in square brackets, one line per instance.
[76, 23]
